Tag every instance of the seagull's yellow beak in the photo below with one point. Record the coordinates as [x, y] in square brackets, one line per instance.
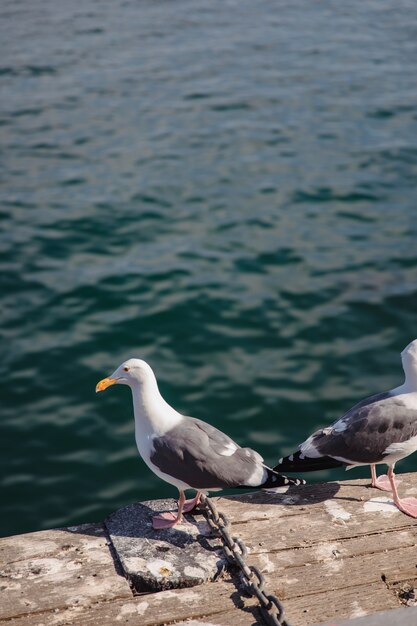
[106, 382]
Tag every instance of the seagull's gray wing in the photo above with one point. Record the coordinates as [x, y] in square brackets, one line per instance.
[366, 432]
[205, 458]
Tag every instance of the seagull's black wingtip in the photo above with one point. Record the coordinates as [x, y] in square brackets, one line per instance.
[279, 480]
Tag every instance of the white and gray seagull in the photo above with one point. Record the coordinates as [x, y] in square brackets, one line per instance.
[184, 451]
[381, 429]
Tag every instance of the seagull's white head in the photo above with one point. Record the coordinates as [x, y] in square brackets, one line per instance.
[131, 373]
[409, 360]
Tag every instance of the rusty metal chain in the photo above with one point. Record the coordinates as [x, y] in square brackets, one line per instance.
[252, 578]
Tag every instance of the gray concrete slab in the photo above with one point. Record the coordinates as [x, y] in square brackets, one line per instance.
[156, 560]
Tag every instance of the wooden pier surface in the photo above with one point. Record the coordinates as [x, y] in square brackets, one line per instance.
[329, 551]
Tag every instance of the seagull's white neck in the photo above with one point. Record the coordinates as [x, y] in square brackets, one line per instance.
[153, 415]
[409, 362]
[410, 371]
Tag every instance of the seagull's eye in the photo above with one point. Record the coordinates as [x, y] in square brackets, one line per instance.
[126, 369]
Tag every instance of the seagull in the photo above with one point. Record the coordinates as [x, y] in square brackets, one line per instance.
[381, 429]
[185, 451]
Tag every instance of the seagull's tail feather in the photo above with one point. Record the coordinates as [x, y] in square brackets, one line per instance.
[279, 480]
[298, 462]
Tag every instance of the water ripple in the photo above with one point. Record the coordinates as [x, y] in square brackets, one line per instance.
[233, 200]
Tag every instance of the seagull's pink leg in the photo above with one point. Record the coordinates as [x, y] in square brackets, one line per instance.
[169, 519]
[382, 482]
[189, 505]
[406, 505]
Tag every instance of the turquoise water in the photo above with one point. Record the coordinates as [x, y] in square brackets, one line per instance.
[227, 191]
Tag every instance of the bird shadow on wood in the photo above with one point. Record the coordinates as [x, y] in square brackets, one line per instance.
[303, 495]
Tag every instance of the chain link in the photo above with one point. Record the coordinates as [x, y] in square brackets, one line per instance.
[236, 552]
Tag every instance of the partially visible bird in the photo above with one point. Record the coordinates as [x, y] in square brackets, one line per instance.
[379, 429]
[184, 451]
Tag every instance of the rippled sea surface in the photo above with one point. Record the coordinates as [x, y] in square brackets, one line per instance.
[225, 189]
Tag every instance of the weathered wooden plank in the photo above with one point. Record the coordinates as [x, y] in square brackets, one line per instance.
[151, 609]
[329, 551]
[344, 573]
[66, 568]
[333, 551]
[307, 514]
[222, 609]
[337, 573]
[348, 603]
[47, 542]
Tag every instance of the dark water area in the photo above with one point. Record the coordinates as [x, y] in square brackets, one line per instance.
[227, 190]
